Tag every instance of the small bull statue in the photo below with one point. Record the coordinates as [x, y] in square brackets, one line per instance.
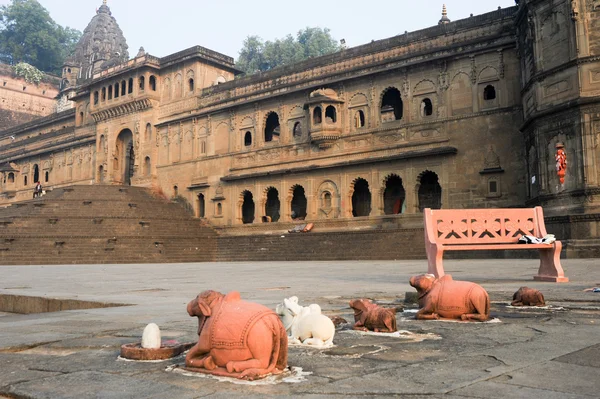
[305, 324]
[526, 296]
[369, 316]
[236, 338]
[445, 298]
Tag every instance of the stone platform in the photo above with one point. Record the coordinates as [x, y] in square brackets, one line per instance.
[538, 353]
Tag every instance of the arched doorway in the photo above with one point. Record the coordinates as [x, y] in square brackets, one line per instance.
[125, 162]
[394, 196]
[361, 198]
[430, 191]
[36, 174]
[201, 206]
[273, 205]
[299, 203]
[247, 207]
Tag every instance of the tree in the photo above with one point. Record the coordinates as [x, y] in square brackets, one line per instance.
[28, 34]
[259, 56]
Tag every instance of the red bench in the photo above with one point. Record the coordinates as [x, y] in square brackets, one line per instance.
[489, 229]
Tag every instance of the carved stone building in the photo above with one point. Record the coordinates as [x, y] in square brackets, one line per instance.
[463, 114]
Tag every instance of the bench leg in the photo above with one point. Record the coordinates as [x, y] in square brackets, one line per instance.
[550, 268]
[435, 261]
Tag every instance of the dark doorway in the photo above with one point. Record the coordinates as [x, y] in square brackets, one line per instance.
[126, 157]
[391, 105]
[273, 206]
[201, 206]
[430, 191]
[361, 199]
[36, 174]
[247, 208]
[394, 196]
[299, 203]
[272, 128]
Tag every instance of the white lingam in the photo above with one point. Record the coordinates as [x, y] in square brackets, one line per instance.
[305, 324]
[151, 338]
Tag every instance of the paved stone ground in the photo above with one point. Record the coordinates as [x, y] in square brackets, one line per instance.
[540, 353]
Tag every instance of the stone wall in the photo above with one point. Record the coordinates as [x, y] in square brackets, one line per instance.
[21, 101]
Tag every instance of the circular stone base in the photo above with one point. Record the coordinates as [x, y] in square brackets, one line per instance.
[166, 351]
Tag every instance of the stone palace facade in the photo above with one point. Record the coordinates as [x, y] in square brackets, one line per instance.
[465, 114]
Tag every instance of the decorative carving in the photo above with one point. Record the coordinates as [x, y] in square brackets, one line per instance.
[500, 64]
[473, 70]
[369, 316]
[492, 160]
[305, 324]
[235, 337]
[561, 162]
[123, 109]
[392, 138]
[574, 10]
[526, 296]
[448, 299]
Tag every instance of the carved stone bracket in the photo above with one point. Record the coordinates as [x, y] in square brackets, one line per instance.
[122, 109]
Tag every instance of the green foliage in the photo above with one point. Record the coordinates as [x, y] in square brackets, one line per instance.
[259, 56]
[28, 72]
[28, 34]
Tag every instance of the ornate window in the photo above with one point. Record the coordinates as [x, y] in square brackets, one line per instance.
[297, 129]
[142, 83]
[489, 93]
[317, 116]
[272, 128]
[391, 105]
[248, 139]
[426, 107]
[330, 114]
[152, 83]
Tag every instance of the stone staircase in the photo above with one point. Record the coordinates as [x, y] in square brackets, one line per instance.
[102, 224]
[323, 246]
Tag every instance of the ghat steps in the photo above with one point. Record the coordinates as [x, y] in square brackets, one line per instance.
[102, 224]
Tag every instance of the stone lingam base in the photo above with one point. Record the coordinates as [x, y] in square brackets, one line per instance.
[167, 350]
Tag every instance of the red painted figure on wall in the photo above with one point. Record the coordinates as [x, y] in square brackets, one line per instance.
[561, 162]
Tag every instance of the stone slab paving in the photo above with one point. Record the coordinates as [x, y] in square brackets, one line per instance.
[533, 353]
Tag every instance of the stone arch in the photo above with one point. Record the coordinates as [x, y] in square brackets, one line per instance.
[358, 100]
[360, 197]
[188, 146]
[148, 133]
[247, 207]
[461, 94]
[298, 202]
[178, 86]
[424, 86]
[297, 112]
[36, 173]
[125, 157]
[176, 147]
[428, 190]
[488, 73]
[328, 198]
[147, 166]
[391, 106]
[166, 94]
[272, 204]
[247, 122]
[272, 127]
[191, 86]
[393, 195]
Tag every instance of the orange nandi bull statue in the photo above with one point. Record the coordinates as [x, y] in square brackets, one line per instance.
[369, 316]
[236, 338]
[444, 298]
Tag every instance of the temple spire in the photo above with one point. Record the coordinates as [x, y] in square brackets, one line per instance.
[445, 18]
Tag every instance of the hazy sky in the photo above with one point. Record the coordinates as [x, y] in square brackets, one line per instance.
[165, 27]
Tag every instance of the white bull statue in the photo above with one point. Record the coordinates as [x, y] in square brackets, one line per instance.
[305, 324]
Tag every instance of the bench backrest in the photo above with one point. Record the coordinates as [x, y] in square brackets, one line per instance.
[483, 226]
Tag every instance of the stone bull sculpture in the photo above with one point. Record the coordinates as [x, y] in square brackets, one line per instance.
[236, 338]
[445, 298]
[305, 324]
[369, 316]
[526, 296]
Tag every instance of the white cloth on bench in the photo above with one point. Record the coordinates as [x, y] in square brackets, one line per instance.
[547, 239]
